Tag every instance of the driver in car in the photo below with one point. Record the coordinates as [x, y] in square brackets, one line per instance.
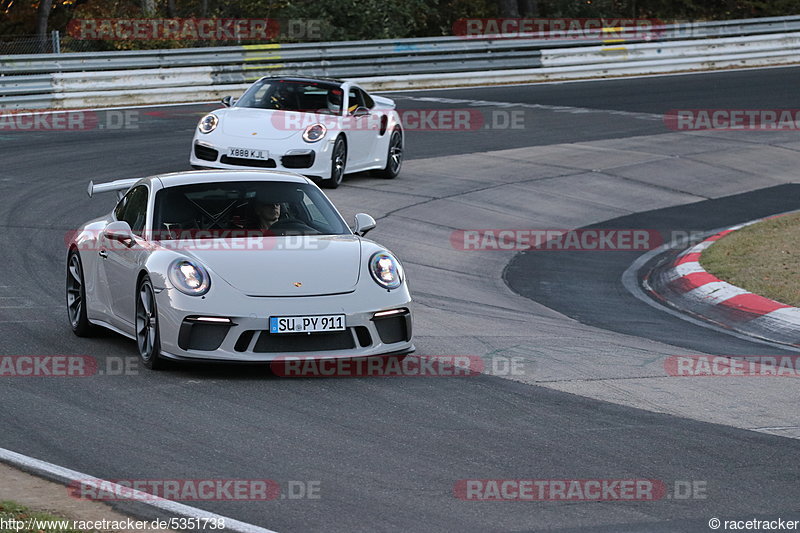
[335, 101]
[283, 97]
[274, 219]
[267, 211]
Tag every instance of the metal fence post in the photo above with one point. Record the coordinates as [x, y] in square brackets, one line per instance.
[56, 38]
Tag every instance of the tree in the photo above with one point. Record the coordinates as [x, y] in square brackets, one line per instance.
[518, 8]
[528, 8]
[508, 8]
[42, 15]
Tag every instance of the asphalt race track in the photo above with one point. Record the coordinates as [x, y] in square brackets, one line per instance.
[549, 278]
[593, 400]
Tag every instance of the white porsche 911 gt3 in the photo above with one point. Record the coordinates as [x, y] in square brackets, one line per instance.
[238, 266]
[320, 128]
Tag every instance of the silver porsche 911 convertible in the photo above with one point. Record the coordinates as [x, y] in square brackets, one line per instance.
[238, 266]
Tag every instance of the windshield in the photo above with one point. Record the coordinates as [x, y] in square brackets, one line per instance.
[269, 208]
[291, 95]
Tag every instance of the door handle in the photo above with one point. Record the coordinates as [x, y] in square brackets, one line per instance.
[103, 254]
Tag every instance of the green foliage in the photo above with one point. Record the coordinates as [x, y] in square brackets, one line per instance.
[18, 18]
[364, 19]
[374, 19]
[668, 10]
[388, 19]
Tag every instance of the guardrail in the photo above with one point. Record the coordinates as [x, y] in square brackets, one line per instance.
[189, 75]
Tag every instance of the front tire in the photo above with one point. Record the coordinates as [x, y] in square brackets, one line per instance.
[338, 163]
[76, 297]
[148, 338]
[394, 157]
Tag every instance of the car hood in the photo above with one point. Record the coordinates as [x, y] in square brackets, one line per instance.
[283, 266]
[263, 124]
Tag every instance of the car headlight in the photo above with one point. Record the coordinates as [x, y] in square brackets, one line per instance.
[208, 123]
[314, 133]
[189, 278]
[386, 270]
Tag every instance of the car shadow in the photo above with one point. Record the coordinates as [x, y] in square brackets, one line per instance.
[247, 371]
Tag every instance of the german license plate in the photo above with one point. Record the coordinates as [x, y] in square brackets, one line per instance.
[306, 324]
[248, 153]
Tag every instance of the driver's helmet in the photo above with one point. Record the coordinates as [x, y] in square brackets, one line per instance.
[335, 100]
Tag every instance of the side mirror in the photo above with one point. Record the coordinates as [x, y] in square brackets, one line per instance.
[228, 101]
[119, 231]
[364, 223]
[361, 112]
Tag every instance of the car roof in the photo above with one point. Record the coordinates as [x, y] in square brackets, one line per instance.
[175, 179]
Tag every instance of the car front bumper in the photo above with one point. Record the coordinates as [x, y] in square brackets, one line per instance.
[312, 160]
[238, 329]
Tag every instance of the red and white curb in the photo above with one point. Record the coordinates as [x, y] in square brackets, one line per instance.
[686, 284]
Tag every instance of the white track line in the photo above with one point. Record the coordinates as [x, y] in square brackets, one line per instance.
[556, 108]
[67, 475]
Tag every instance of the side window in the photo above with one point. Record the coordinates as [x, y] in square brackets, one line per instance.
[353, 99]
[120, 209]
[133, 209]
[369, 103]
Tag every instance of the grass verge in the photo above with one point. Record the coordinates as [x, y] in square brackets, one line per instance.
[763, 258]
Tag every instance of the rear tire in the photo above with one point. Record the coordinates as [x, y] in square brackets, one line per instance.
[338, 163]
[394, 157]
[148, 335]
[76, 297]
